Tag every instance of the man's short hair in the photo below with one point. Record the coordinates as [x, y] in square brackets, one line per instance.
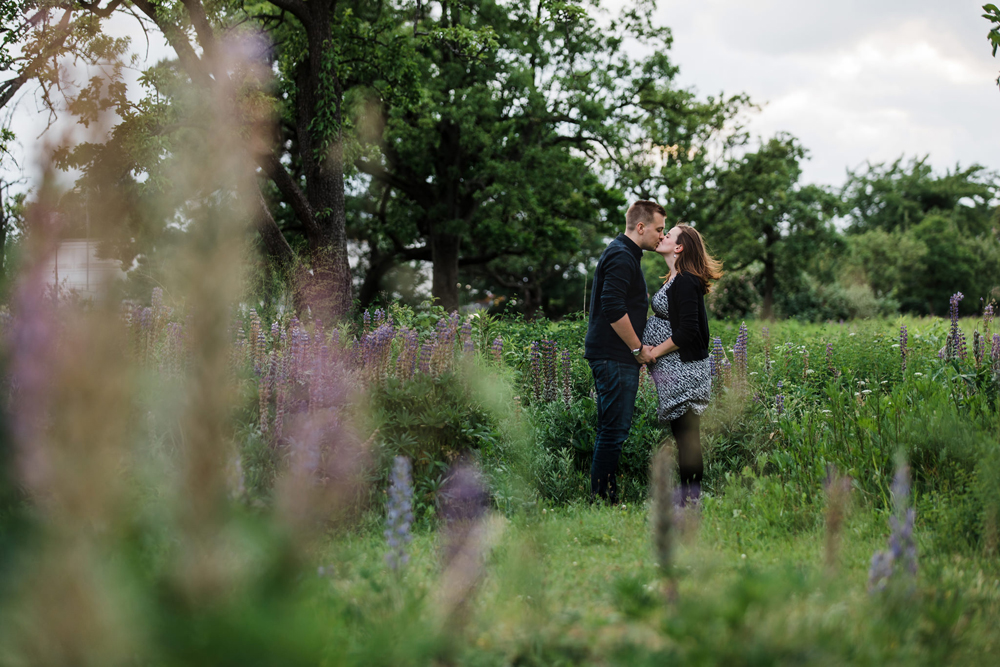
[642, 211]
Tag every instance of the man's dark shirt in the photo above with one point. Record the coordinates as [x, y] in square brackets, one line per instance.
[619, 290]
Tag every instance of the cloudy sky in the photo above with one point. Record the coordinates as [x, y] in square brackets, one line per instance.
[854, 80]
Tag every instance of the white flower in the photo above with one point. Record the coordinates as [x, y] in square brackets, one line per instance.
[866, 391]
[919, 374]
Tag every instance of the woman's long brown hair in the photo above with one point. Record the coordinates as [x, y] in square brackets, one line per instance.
[694, 259]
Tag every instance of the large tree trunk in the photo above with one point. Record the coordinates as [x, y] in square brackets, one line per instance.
[379, 265]
[327, 282]
[444, 254]
[3, 235]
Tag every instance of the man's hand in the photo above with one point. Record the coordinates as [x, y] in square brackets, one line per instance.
[645, 355]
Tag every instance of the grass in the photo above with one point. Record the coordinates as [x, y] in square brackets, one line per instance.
[579, 584]
[244, 557]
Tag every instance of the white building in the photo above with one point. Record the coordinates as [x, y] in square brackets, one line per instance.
[75, 267]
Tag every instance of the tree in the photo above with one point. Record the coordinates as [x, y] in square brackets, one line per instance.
[329, 56]
[509, 161]
[899, 196]
[752, 209]
[920, 237]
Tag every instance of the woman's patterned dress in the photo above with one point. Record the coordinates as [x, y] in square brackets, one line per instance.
[681, 386]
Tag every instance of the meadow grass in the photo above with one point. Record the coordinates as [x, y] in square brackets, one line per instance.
[579, 584]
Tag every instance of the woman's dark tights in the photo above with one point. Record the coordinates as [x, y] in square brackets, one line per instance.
[686, 432]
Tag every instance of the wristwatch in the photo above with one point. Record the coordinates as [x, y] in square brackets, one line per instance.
[636, 351]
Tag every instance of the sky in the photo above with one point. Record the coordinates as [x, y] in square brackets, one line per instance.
[855, 80]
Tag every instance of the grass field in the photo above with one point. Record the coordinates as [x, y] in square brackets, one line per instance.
[850, 515]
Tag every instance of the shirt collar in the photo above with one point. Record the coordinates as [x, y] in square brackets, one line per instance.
[631, 245]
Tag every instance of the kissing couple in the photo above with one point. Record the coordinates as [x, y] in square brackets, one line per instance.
[672, 342]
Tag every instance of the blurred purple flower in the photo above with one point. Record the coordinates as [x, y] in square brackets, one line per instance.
[902, 544]
[399, 514]
[496, 349]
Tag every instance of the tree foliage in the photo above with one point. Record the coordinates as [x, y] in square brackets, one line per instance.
[919, 236]
[511, 168]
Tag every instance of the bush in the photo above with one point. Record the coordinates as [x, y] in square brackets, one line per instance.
[734, 297]
[434, 421]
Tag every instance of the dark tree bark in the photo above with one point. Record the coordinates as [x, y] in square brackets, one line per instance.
[319, 206]
[444, 285]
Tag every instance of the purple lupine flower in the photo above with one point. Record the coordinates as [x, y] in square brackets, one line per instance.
[468, 346]
[399, 514]
[496, 349]
[718, 354]
[727, 372]
[779, 400]
[366, 321]
[411, 348]
[995, 352]
[536, 371]
[955, 346]
[159, 313]
[548, 351]
[740, 353]
[260, 353]
[382, 348]
[879, 571]
[379, 318]
[567, 367]
[829, 357]
[317, 382]
[264, 391]
[240, 347]
[902, 545]
[464, 504]
[765, 334]
[903, 340]
[426, 352]
[987, 317]
[978, 347]
[280, 394]
[444, 344]
[464, 501]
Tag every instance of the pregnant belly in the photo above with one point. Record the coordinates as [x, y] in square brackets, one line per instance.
[657, 330]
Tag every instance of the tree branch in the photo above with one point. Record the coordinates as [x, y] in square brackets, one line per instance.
[296, 8]
[275, 244]
[9, 88]
[292, 194]
[178, 42]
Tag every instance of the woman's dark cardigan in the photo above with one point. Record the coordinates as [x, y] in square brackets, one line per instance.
[688, 318]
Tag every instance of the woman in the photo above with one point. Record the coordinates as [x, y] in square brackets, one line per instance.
[678, 333]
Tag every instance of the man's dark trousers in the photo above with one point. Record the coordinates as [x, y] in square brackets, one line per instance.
[616, 384]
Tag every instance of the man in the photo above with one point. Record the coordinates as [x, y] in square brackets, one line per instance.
[613, 347]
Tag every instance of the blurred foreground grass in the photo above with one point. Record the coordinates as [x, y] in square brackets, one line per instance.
[579, 585]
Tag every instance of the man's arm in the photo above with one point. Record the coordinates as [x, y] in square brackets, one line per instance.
[626, 332]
